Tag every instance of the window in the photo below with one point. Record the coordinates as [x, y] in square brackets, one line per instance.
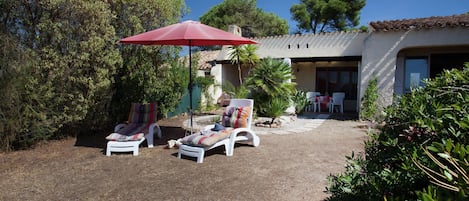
[416, 69]
[439, 62]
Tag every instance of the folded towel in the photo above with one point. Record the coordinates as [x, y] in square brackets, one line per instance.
[218, 127]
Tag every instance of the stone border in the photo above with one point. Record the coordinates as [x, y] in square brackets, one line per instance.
[300, 125]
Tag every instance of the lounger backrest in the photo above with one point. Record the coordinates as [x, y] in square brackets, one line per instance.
[244, 103]
[142, 113]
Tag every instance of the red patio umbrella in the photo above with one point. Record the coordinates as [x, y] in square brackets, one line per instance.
[187, 33]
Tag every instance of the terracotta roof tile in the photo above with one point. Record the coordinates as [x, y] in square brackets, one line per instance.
[421, 23]
[204, 59]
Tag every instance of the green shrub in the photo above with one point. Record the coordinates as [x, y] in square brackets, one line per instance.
[450, 176]
[235, 92]
[435, 113]
[342, 185]
[205, 83]
[271, 76]
[369, 107]
[274, 108]
[22, 117]
[165, 86]
[65, 75]
[270, 80]
[300, 101]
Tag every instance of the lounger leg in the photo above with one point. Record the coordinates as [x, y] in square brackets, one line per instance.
[229, 150]
[136, 151]
[255, 140]
[196, 152]
[108, 151]
[149, 138]
[200, 158]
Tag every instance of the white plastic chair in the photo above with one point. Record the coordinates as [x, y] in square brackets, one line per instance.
[139, 121]
[337, 99]
[313, 101]
[238, 135]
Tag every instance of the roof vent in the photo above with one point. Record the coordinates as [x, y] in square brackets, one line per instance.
[234, 29]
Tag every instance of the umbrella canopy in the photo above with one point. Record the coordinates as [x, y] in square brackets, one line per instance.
[187, 33]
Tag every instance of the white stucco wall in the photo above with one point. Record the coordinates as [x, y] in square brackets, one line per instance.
[337, 44]
[305, 75]
[379, 57]
[215, 90]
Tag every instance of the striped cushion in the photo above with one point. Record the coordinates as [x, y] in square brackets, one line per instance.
[206, 138]
[121, 138]
[240, 116]
[226, 118]
[142, 113]
[134, 128]
[140, 118]
[236, 117]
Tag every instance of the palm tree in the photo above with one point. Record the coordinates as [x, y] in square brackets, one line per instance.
[244, 54]
[235, 55]
[269, 81]
[271, 76]
[250, 57]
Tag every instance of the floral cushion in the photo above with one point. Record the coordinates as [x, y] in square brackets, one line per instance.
[123, 138]
[206, 138]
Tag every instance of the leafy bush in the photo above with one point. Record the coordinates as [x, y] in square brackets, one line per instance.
[273, 108]
[271, 76]
[66, 75]
[433, 114]
[205, 83]
[22, 117]
[300, 101]
[235, 92]
[68, 61]
[451, 175]
[369, 101]
[342, 185]
[269, 80]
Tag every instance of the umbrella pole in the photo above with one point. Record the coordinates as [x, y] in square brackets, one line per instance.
[190, 83]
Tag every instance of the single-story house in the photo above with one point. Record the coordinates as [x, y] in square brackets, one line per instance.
[400, 53]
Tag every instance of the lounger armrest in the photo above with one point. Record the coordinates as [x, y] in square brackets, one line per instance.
[249, 136]
[118, 127]
[154, 127]
[236, 131]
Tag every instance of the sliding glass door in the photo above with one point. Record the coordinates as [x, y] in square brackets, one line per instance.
[337, 79]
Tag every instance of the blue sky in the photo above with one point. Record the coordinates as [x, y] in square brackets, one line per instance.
[375, 10]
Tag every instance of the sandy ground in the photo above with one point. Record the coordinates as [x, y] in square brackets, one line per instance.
[283, 167]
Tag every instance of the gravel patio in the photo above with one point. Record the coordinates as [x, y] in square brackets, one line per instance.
[283, 167]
